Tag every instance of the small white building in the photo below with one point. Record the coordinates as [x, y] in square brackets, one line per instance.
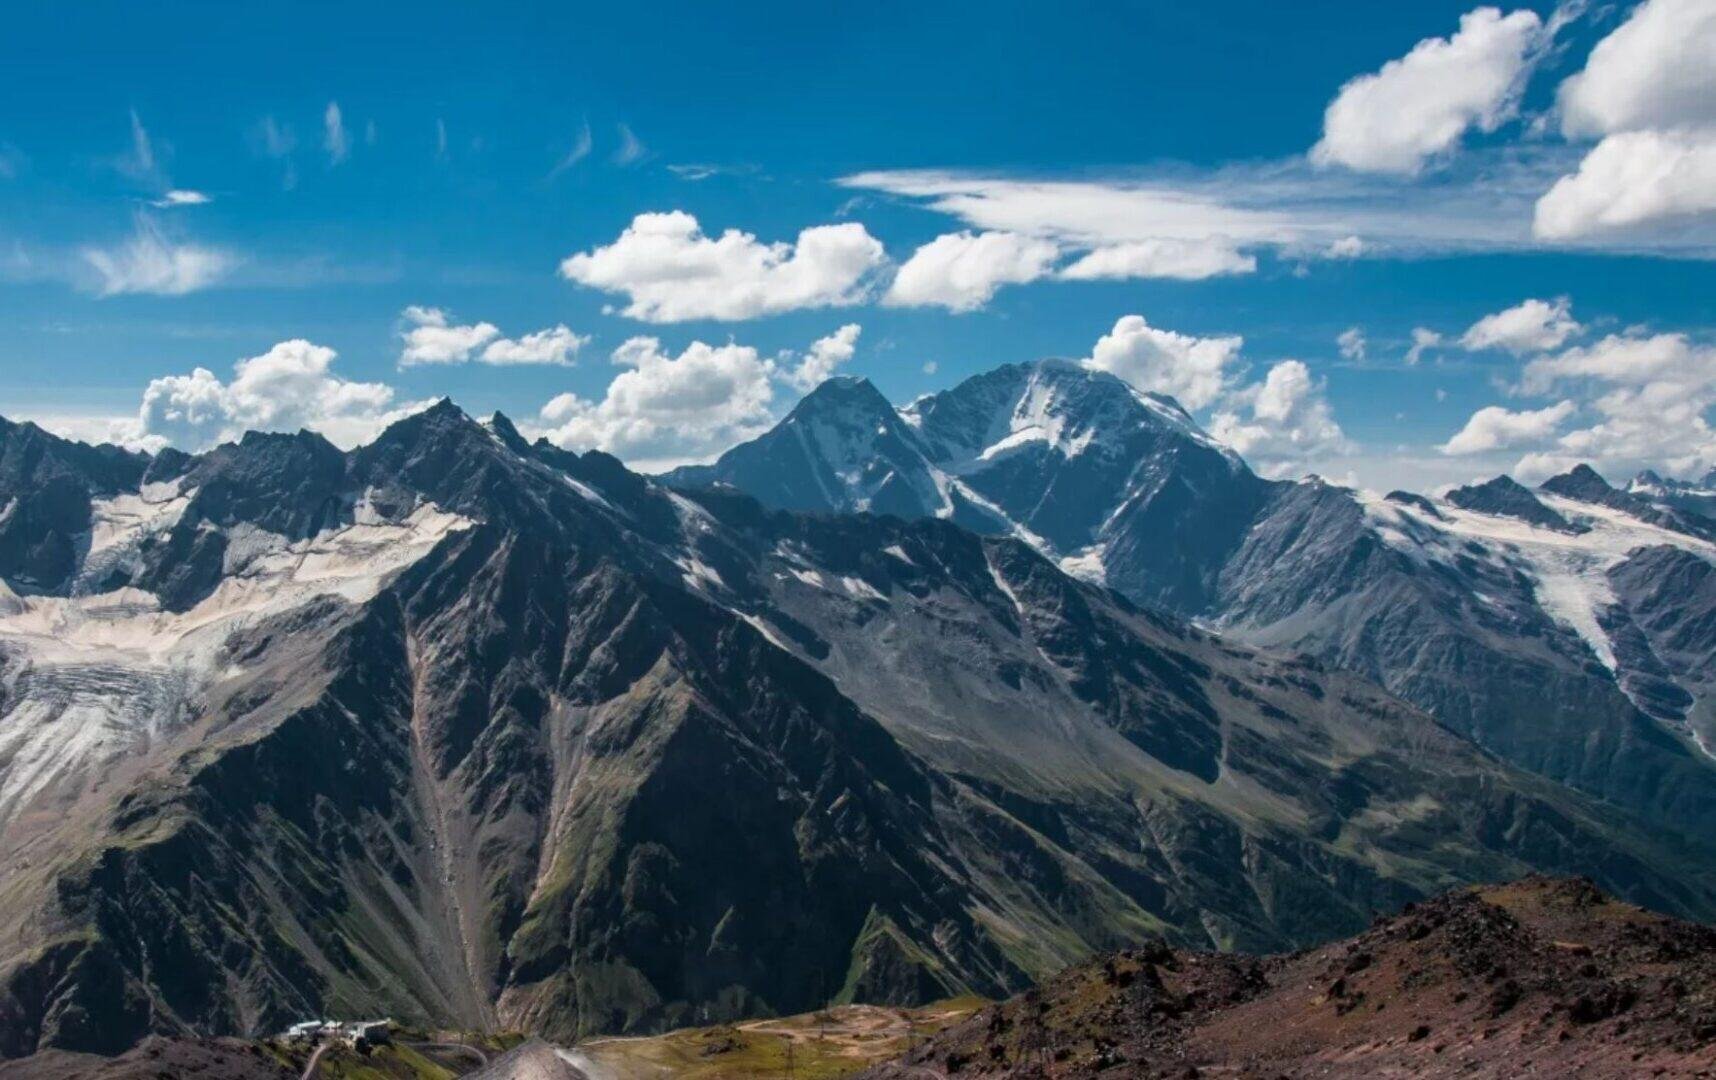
[357, 1033]
[309, 1030]
[367, 1032]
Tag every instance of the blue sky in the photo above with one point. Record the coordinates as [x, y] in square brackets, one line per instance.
[347, 175]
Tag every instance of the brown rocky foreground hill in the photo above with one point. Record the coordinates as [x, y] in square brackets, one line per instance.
[1542, 977]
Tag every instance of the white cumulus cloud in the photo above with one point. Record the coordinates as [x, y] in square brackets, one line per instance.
[1351, 343]
[823, 357]
[1645, 399]
[288, 387]
[1423, 340]
[1533, 326]
[961, 271]
[1626, 359]
[1282, 424]
[666, 409]
[181, 197]
[1193, 370]
[1656, 70]
[671, 272]
[1496, 428]
[1648, 93]
[431, 337]
[1632, 179]
[1418, 107]
[555, 345]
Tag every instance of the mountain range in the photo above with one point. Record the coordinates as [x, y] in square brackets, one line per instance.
[1568, 629]
[885, 706]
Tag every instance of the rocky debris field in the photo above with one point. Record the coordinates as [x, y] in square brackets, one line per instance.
[1542, 977]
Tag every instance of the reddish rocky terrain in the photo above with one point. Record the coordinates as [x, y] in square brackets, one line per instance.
[157, 1058]
[1542, 977]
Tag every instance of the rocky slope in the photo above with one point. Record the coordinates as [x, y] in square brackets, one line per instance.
[480, 733]
[1532, 621]
[1541, 977]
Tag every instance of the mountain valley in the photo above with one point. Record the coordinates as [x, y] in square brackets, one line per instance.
[475, 732]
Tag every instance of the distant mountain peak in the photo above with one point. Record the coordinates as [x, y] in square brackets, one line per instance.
[438, 421]
[1507, 497]
[1075, 462]
[507, 432]
[445, 407]
[1579, 482]
[844, 392]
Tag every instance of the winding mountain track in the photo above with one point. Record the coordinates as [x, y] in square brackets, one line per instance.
[482, 1059]
[315, 1060]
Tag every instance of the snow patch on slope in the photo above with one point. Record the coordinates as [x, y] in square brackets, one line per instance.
[1570, 573]
[89, 678]
[1087, 565]
[120, 525]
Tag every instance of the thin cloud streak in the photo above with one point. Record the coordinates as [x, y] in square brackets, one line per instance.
[1483, 202]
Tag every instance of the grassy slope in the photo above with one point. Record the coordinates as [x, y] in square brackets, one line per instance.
[837, 1042]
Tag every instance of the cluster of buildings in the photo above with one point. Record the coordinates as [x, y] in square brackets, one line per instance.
[355, 1033]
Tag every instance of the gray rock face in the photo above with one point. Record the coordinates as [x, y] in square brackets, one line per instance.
[1506, 497]
[1584, 484]
[843, 448]
[1665, 613]
[1120, 486]
[46, 484]
[474, 732]
[1696, 498]
[1482, 623]
[1490, 607]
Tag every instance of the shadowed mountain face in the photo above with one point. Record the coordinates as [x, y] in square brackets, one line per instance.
[49, 484]
[469, 731]
[1508, 614]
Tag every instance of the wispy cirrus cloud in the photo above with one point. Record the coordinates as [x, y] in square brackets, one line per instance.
[1482, 202]
[139, 161]
[152, 262]
[1183, 260]
[12, 161]
[582, 143]
[335, 140]
[145, 162]
[631, 149]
